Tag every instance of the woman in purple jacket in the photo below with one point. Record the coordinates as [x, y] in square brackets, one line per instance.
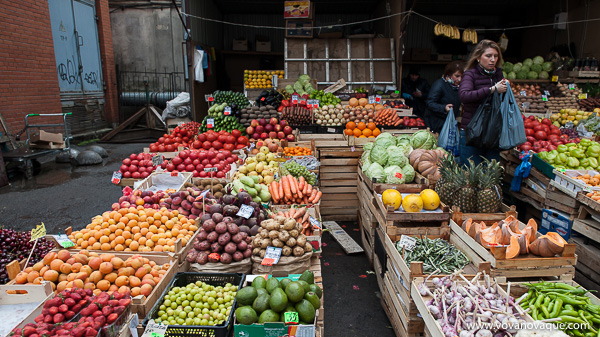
[481, 78]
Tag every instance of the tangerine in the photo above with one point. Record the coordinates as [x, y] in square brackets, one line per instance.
[367, 132]
[357, 133]
[361, 126]
[350, 125]
[371, 126]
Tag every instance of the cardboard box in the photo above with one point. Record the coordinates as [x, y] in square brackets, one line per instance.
[263, 46]
[18, 309]
[43, 136]
[298, 10]
[299, 28]
[240, 44]
[555, 221]
[420, 54]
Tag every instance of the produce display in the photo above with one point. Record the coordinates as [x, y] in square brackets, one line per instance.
[171, 142]
[261, 79]
[589, 104]
[198, 161]
[254, 186]
[270, 98]
[270, 129]
[474, 189]
[189, 202]
[297, 151]
[386, 160]
[297, 115]
[147, 199]
[362, 130]
[221, 123]
[135, 229]
[595, 195]
[271, 145]
[569, 115]
[387, 117]
[397, 104]
[302, 87]
[564, 96]
[413, 203]
[137, 166]
[301, 215]
[592, 124]
[325, 98]
[436, 255]
[212, 140]
[263, 166]
[281, 232]
[215, 186]
[65, 306]
[99, 272]
[573, 156]
[197, 303]
[231, 98]
[15, 245]
[529, 69]
[290, 190]
[589, 179]
[216, 109]
[329, 115]
[297, 170]
[266, 301]
[255, 113]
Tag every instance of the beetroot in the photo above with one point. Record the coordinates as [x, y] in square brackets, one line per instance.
[238, 256]
[221, 228]
[217, 217]
[204, 245]
[254, 230]
[202, 236]
[233, 228]
[230, 248]
[216, 247]
[224, 239]
[237, 238]
[226, 258]
[204, 217]
[202, 258]
[242, 246]
[209, 225]
[248, 252]
[244, 229]
[212, 237]
[216, 208]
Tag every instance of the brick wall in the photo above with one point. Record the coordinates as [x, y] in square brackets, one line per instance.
[28, 80]
[111, 107]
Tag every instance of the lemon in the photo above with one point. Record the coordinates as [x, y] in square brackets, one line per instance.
[412, 203]
[391, 198]
[431, 200]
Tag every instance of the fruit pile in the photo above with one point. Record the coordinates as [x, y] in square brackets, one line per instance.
[283, 233]
[332, 115]
[65, 306]
[217, 109]
[212, 140]
[137, 166]
[589, 179]
[362, 130]
[267, 301]
[273, 129]
[100, 272]
[215, 186]
[230, 97]
[188, 202]
[147, 199]
[191, 129]
[267, 113]
[220, 240]
[412, 122]
[254, 186]
[541, 136]
[179, 137]
[135, 229]
[197, 161]
[221, 123]
[261, 79]
[297, 151]
[297, 171]
[197, 303]
[297, 115]
[595, 195]
[412, 203]
[569, 115]
[291, 190]
[263, 165]
[397, 104]
[16, 246]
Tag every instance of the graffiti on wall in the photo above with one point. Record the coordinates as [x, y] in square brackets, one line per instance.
[68, 71]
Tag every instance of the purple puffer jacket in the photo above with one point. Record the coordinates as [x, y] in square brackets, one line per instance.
[474, 88]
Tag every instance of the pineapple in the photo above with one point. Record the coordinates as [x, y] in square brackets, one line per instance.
[489, 196]
[465, 196]
[445, 186]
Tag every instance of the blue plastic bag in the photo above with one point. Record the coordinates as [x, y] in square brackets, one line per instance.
[449, 138]
[513, 129]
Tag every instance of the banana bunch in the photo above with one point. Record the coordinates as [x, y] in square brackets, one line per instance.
[469, 35]
[447, 31]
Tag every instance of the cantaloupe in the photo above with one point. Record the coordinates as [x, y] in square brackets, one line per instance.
[353, 102]
[363, 101]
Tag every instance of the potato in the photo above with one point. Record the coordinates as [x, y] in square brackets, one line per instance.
[291, 242]
[280, 219]
[298, 251]
[286, 251]
[273, 226]
[264, 233]
[289, 224]
[277, 243]
[308, 247]
[256, 251]
[273, 234]
[256, 241]
[262, 253]
[264, 243]
[301, 240]
[294, 233]
[284, 235]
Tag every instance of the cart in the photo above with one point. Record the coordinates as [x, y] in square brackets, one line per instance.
[26, 157]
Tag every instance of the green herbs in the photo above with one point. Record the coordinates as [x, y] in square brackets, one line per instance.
[435, 254]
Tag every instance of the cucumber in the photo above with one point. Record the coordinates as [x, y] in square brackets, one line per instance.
[251, 191]
[247, 181]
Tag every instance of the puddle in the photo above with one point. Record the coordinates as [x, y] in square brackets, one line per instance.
[52, 174]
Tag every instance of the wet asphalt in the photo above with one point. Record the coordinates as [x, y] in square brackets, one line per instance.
[62, 196]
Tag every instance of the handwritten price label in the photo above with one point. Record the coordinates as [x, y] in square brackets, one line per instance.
[210, 123]
[38, 232]
[155, 330]
[116, 177]
[582, 96]
[572, 86]
[408, 242]
[316, 103]
[227, 111]
[271, 256]
[157, 160]
[63, 240]
[314, 222]
[547, 93]
[554, 78]
[245, 211]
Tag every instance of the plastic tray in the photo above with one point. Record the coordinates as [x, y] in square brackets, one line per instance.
[183, 279]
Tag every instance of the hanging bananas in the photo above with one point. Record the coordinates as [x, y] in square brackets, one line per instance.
[448, 31]
[470, 35]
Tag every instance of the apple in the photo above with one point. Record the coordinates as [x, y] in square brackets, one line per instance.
[133, 156]
[262, 122]
[127, 161]
[254, 123]
[190, 168]
[277, 128]
[290, 138]
[264, 135]
[273, 121]
[255, 135]
[260, 129]
[288, 130]
[272, 134]
[269, 128]
[280, 135]
[283, 123]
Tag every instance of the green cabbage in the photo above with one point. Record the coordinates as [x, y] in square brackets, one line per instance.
[396, 156]
[365, 167]
[522, 75]
[303, 79]
[405, 148]
[526, 68]
[365, 157]
[544, 75]
[507, 66]
[390, 168]
[409, 173]
[532, 75]
[375, 171]
[511, 75]
[538, 60]
[504, 74]
[368, 147]
[379, 155]
[289, 89]
[547, 66]
[391, 177]
[527, 62]
[517, 67]
[537, 68]
[422, 139]
[385, 139]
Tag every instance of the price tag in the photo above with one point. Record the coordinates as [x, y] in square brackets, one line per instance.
[157, 160]
[174, 174]
[544, 98]
[371, 99]
[397, 92]
[180, 124]
[525, 105]
[398, 175]
[554, 78]
[262, 99]
[523, 93]
[331, 130]
[582, 96]
[302, 101]
[133, 325]
[309, 103]
[316, 103]
[210, 169]
[271, 256]
[210, 123]
[38, 232]
[353, 149]
[547, 93]
[408, 242]
[378, 98]
[154, 329]
[204, 193]
[116, 177]
[295, 99]
[291, 317]
[227, 111]
[274, 79]
[209, 97]
[245, 211]
[63, 240]
[314, 222]
[572, 86]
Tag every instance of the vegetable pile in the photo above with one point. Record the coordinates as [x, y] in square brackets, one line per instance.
[297, 170]
[301, 216]
[297, 115]
[436, 254]
[221, 122]
[230, 98]
[325, 98]
[297, 151]
[582, 156]
[290, 190]
[387, 157]
[387, 117]
[283, 233]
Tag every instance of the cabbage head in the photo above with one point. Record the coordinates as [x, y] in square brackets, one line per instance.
[390, 168]
[304, 79]
[298, 87]
[522, 75]
[544, 75]
[517, 67]
[409, 173]
[547, 66]
[289, 89]
[527, 62]
[365, 157]
[405, 148]
[365, 167]
[526, 68]
[375, 171]
[537, 68]
[532, 75]
[401, 141]
[379, 155]
[395, 176]
[507, 66]
[396, 156]
[511, 76]
[385, 139]
[422, 139]
[538, 60]
[367, 147]
[504, 74]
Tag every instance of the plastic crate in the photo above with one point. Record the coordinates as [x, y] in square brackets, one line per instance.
[541, 165]
[183, 279]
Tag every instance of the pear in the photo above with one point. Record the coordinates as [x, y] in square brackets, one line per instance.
[253, 173]
[264, 150]
[269, 179]
[270, 157]
[261, 156]
[251, 167]
[260, 167]
[251, 160]
[243, 169]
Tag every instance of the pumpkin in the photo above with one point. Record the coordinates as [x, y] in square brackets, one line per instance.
[414, 156]
[548, 245]
[511, 250]
[427, 163]
[473, 228]
[363, 101]
[489, 236]
[467, 225]
[353, 102]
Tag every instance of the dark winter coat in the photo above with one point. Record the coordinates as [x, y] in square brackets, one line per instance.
[474, 88]
[417, 103]
[440, 95]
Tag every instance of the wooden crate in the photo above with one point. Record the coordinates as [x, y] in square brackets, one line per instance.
[20, 304]
[358, 142]
[420, 182]
[588, 264]
[506, 211]
[587, 223]
[394, 317]
[366, 238]
[147, 183]
[517, 289]
[410, 324]
[557, 199]
[521, 266]
[589, 202]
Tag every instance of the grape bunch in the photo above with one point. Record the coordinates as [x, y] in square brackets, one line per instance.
[16, 246]
[572, 133]
[298, 170]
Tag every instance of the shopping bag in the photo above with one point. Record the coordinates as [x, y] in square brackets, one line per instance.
[513, 129]
[449, 138]
[483, 130]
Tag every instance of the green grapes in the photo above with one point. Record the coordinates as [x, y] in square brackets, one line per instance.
[298, 170]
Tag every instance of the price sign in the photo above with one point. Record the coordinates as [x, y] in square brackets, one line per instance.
[262, 99]
[133, 325]
[271, 256]
[154, 329]
[295, 99]
[227, 111]
[210, 123]
[291, 317]
[525, 105]
[314, 222]
[251, 146]
[174, 174]
[572, 86]
[397, 92]
[210, 169]
[302, 101]
[398, 175]
[180, 124]
[309, 103]
[331, 130]
[408, 242]
[316, 103]
[554, 78]
[582, 96]
[371, 99]
[38, 232]
[547, 93]
[157, 160]
[523, 93]
[209, 98]
[204, 193]
[378, 98]
[245, 211]
[274, 79]
[63, 240]
[544, 98]
[116, 177]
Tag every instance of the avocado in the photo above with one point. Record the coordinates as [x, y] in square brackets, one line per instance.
[259, 282]
[306, 311]
[246, 295]
[317, 290]
[290, 308]
[272, 283]
[246, 315]
[313, 299]
[262, 291]
[308, 277]
[268, 316]
[278, 300]
[261, 303]
[305, 285]
[294, 292]
[284, 283]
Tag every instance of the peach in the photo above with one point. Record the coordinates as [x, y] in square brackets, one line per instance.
[149, 281]
[21, 278]
[124, 290]
[71, 260]
[103, 285]
[32, 275]
[28, 269]
[65, 268]
[157, 279]
[107, 257]
[140, 273]
[112, 288]
[106, 268]
[122, 281]
[62, 277]
[71, 277]
[136, 263]
[89, 285]
[56, 264]
[38, 266]
[76, 267]
[95, 263]
[146, 289]
[134, 281]
[124, 272]
[117, 262]
[49, 258]
[135, 291]
[87, 269]
[61, 286]
[63, 255]
[81, 276]
[77, 283]
[97, 292]
[84, 252]
[95, 277]
[83, 259]
[111, 277]
[51, 275]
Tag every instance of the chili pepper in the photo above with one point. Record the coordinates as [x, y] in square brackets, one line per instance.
[571, 319]
[547, 301]
[567, 299]
[557, 307]
[539, 300]
[534, 313]
[568, 307]
[569, 313]
[545, 311]
[576, 333]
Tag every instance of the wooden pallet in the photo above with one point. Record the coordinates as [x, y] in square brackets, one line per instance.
[589, 202]
[588, 266]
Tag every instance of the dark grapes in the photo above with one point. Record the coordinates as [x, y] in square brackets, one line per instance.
[15, 245]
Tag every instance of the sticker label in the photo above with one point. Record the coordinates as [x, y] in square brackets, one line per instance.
[245, 211]
[116, 177]
[554, 78]
[209, 98]
[210, 169]
[572, 86]
[398, 175]
[38, 232]
[408, 242]
[544, 98]
[582, 96]
[371, 99]
[227, 111]
[547, 93]
[291, 317]
[314, 222]
[157, 160]
[331, 130]
[210, 123]
[63, 240]
[523, 93]
[271, 256]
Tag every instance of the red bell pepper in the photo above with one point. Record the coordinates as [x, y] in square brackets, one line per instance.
[285, 103]
[280, 109]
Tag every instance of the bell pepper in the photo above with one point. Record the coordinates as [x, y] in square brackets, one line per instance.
[593, 151]
[550, 157]
[543, 155]
[577, 153]
[572, 162]
[562, 148]
[584, 162]
[562, 158]
[585, 142]
[280, 109]
[593, 162]
[285, 103]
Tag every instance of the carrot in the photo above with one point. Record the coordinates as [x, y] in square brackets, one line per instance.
[273, 196]
[305, 217]
[292, 182]
[301, 212]
[286, 187]
[292, 212]
[298, 190]
[301, 183]
[309, 190]
[280, 191]
[280, 213]
[305, 188]
[318, 197]
[312, 196]
[275, 191]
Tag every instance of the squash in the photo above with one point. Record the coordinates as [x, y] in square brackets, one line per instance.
[378, 107]
[467, 225]
[415, 156]
[511, 250]
[530, 233]
[489, 236]
[534, 225]
[369, 106]
[353, 102]
[427, 164]
[548, 245]
[363, 101]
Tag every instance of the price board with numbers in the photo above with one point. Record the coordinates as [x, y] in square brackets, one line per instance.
[371, 99]
[210, 123]
[295, 99]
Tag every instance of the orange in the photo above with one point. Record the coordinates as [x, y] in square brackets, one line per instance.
[367, 132]
[357, 133]
[361, 126]
[350, 125]
[362, 137]
[371, 126]
[376, 132]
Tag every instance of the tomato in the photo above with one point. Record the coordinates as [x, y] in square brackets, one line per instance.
[540, 135]
[222, 139]
[529, 132]
[161, 139]
[202, 138]
[211, 137]
[217, 145]
[242, 140]
[206, 145]
[236, 133]
[229, 146]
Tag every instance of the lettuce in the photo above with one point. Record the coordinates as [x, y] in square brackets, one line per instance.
[395, 176]
[409, 173]
[368, 147]
[379, 155]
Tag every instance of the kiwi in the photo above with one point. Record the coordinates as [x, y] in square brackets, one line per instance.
[217, 187]
[255, 108]
[218, 195]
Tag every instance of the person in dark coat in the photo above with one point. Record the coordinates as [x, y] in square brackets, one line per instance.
[415, 90]
[443, 96]
[481, 78]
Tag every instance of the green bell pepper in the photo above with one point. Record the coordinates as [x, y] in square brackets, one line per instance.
[585, 162]
[585, 142]
[577, 153]
[593, 151]
[562, 148]
[551, 158]
[543, 156]
[593, 162]
[562, 158]
[572, 162]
